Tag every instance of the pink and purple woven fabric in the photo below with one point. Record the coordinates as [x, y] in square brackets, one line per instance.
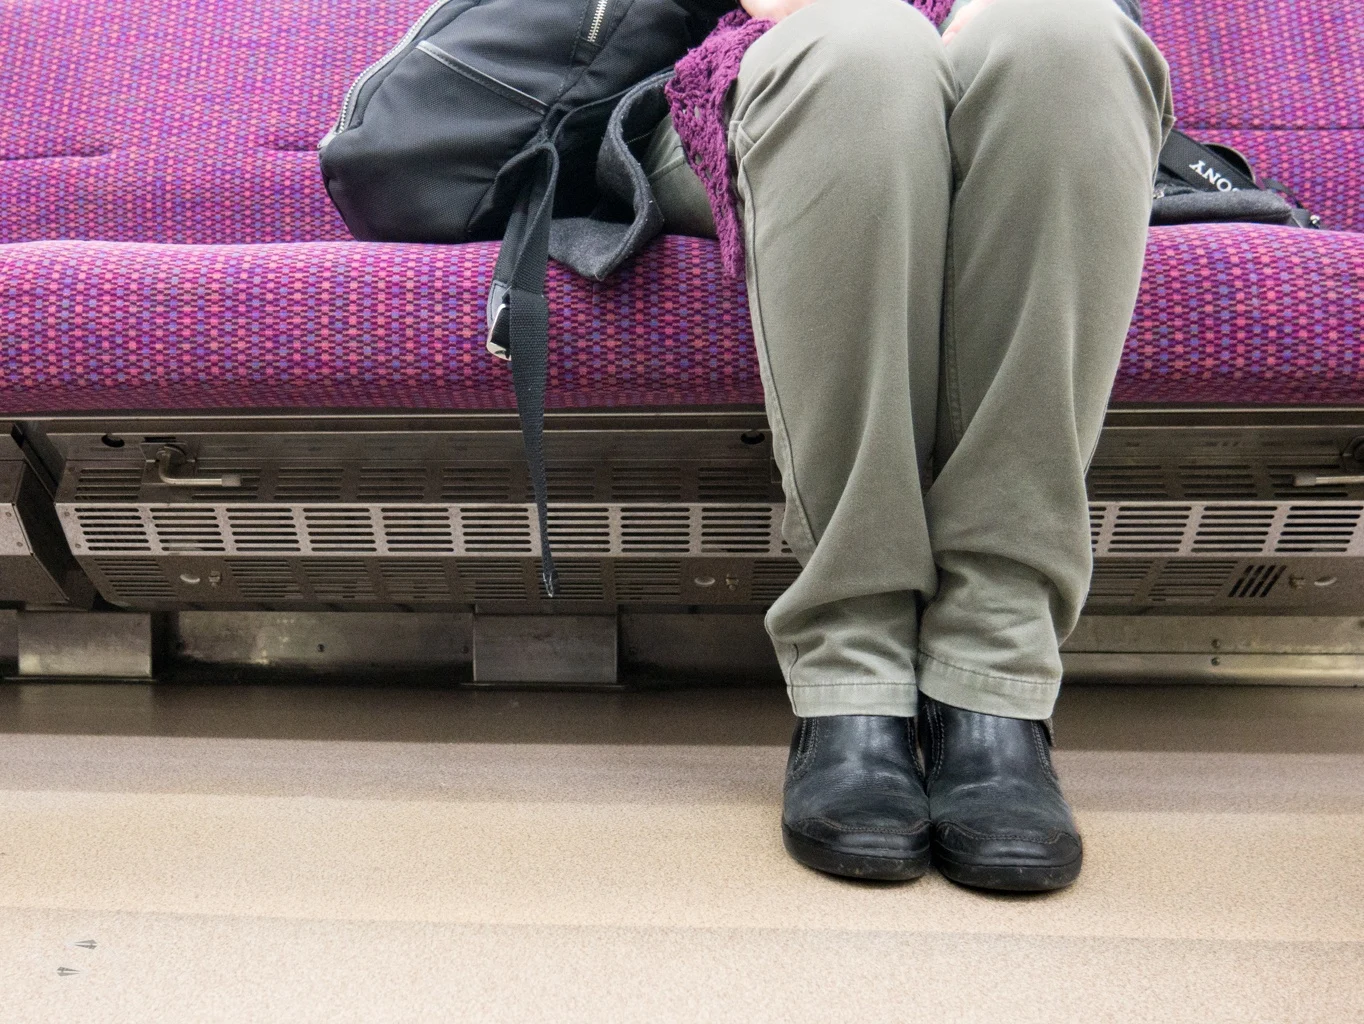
[149, 147]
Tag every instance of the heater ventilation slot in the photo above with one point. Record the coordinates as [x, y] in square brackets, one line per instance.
[736, 531]
[340, 581]
[112, 529]
[646, 483]
[1127, 483]
[187, 530]
[1230, 529]
[732, 483]
[580, 529]
[308, 483]
[415, 582]
[771, 579]
[1257, 581]
[568, 484]
[499, 529]
[645, 530]
[461, 484]
[1194, 581]
[644, 581]
[1118, 579]
[578, 581]
[1149, 529]
[265, 579]
[1318, 529]
[493, 580]
[263, 529]
[108, 483]
[1217, 483]
[135, 579]
[427, 530]
[338, 529]
[391, 483]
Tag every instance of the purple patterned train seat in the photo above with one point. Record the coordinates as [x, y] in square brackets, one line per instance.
[165, 242]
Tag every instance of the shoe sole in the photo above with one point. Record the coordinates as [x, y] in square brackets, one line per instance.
[1010, 877]
[855, 865]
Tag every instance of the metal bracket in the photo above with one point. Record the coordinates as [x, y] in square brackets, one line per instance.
[1327, 480]
[1352, 464]
[169, 459]
[85, 645]
[576, 650]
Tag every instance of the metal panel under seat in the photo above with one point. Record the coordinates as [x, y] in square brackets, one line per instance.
[1207, 511]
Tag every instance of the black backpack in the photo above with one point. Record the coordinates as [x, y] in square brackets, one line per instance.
[465, 131]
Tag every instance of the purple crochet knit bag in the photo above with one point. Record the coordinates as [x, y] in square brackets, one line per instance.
[697, 96]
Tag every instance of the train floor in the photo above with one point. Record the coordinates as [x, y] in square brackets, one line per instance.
[381, 853]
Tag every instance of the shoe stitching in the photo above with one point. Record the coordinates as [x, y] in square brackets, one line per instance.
[940, 730]
[844, 830]
[1047, 768]
[807, 736]
[1054, 836]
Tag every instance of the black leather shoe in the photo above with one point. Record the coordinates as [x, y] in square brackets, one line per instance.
[854, 801]
[999, 819]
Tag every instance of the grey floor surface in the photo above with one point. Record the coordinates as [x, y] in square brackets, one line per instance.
[387, 854]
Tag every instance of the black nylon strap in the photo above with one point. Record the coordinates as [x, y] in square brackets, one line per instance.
[519, 282]
[1201, 167]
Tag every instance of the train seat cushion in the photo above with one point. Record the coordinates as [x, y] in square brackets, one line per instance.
[1227, 314]
[173, 249]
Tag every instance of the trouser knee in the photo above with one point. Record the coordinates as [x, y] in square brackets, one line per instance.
[873, 69]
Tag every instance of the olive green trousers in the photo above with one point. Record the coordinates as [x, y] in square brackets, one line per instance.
[944, 245]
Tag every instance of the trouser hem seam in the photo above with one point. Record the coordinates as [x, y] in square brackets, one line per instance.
[1042, 684]
[906, 683]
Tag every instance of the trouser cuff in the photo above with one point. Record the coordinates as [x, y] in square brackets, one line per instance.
[855, 697]
[985, 693]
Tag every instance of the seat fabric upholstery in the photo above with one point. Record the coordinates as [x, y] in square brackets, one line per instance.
[111, 325]
[1280, 80]
[1222, 317]
[171, 247]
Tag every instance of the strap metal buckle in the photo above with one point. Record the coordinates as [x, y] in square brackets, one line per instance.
[497, 333]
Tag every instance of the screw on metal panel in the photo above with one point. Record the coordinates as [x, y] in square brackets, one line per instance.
[1297, 582]
[1217, 661]
[1216, 644]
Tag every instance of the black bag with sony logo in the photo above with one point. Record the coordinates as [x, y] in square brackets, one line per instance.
[1197, 183]
[465, 130]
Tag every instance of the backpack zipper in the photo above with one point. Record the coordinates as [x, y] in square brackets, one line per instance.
[598, 20]
[353, 93]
